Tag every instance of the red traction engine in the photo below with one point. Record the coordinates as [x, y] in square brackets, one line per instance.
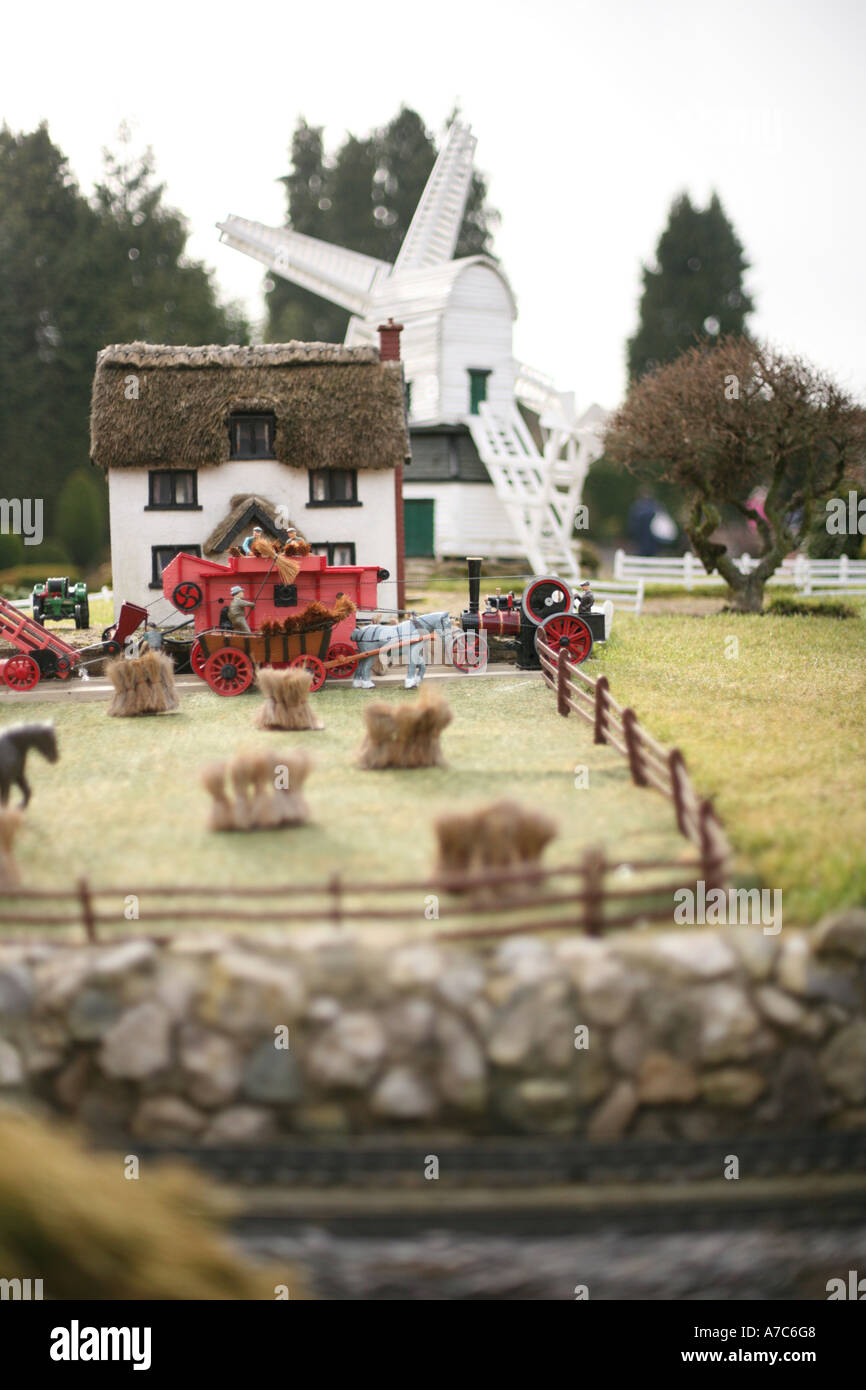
[545, 611]
[202, 588]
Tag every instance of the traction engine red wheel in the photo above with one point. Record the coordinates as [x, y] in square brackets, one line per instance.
[21, 672]
[573, 628]
[229, 672]
[197, 659]
[469, 652]
[315, 667]
[544, 597]
[346, 668]
[186, 596]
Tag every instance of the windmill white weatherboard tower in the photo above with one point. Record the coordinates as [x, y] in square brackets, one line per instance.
[498, 456]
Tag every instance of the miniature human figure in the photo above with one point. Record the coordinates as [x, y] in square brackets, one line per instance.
[256, 535]
[224, 620]
[237, 605]
[153, 637]
[586, 600]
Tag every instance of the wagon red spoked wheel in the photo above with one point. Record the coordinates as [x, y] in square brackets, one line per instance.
[573, 628]
[346, 668]
[315, 667]
[186, 596]
[197, 659]
[229, 672]
[469, 652]
[21, 672]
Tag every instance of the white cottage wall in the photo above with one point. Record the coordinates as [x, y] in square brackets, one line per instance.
[468, 518]
[135, 529]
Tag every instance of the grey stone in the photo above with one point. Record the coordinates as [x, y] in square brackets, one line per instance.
[732, 1086]
[756, 951]
[166, 1120]
[605, 985]
[613, 1117]
[245, 992]
[409, 1024]
[459, 984]
[684, 955]
[109, 962]
[843, 1062]
[92, 1014]
[11, 1066]
[843, 933]
[419, 964]
[403, 1094]
[663, 1079]
[272, 1074]
[212, 1065]
[779, 1007]
[60, 977]
[729, 1023]
[139, 1043]
[793, 963]
[17, 992]
[348, 1052]
[525, 959]
[323, 1009]
[462, 1071]
[241, 1124]
[673, 1019]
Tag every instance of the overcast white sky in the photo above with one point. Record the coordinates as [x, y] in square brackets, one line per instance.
[590, 118]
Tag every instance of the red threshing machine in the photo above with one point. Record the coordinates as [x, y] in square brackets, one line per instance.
[227, 660]
[42, 653]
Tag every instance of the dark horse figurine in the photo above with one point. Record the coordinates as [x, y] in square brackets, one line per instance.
[15, 744]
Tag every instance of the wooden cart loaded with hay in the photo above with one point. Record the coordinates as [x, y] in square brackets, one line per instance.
[230, 658]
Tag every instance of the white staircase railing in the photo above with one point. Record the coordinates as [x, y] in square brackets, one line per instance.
[541, 515]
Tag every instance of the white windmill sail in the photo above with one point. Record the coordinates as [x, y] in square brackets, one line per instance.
[539, 491]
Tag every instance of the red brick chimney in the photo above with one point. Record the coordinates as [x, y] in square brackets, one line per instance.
[389, 341]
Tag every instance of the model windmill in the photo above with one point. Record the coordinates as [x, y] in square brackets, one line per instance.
[498, 456]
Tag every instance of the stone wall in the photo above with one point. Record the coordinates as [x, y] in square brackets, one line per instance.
[697, 1033]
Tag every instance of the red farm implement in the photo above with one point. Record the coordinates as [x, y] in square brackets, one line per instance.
[227, 660]
[41, 654]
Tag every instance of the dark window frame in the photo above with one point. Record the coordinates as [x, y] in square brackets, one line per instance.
[172, 473]
[334, 501]
[331, 546]
[240, 416]
[156, 577]
[479, 376]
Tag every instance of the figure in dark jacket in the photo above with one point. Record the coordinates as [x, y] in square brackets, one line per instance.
[586, 598]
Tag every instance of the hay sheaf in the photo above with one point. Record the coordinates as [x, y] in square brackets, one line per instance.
[10, 822]
[334, 407]
[287, 699]
[502, 835]
[258, 790]
[404, 735]
[142, 685]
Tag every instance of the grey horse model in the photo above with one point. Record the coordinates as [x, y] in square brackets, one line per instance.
[371, 636]
[15, 744]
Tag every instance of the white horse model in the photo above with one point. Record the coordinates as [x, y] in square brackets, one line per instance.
[371, 636]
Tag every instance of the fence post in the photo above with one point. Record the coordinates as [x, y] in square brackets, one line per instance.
[632, 743]
[843, 569]
[562, 678]
[688, 562]
[677, 766]
[709, 852]
[87, 915]
[601, 689]
[593, 892]
[335, 889]
[619, 564]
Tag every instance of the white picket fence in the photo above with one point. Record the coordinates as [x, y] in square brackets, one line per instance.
[841, 575]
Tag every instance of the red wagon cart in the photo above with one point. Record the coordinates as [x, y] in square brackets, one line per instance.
[230, 658]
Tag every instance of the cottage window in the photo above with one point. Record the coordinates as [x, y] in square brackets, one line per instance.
[336, 552]
[162, 555]
[333, 487]
[252, 436]
[477, 387]
[173, 488]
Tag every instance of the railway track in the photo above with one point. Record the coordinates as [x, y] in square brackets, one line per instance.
[365, 1187]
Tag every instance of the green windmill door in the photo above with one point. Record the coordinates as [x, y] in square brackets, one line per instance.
[418, 522]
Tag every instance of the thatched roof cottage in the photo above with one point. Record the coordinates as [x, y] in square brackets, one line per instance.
[199, 444]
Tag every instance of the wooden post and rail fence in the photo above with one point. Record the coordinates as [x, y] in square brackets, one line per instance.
[650, 763]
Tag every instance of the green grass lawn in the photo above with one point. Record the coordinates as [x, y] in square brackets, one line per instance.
[777, 733]
[124, 807]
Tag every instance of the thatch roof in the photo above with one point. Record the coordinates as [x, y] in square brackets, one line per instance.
[245, 512]
[335, 407]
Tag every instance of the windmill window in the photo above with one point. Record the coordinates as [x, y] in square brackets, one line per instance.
[477, 387]
[172, 490]
[252, 436]
[333, 487]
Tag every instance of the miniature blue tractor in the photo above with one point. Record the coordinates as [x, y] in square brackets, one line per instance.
[59, 598]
